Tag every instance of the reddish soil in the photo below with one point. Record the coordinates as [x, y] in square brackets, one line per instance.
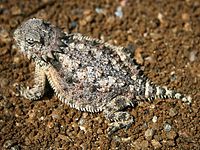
[166, 38]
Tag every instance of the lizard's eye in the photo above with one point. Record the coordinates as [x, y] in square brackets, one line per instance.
[30, 42]
[32, 37]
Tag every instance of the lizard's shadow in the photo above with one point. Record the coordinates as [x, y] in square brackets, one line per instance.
[49, 92]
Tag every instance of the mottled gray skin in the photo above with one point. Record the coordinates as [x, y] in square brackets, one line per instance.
[87, 74]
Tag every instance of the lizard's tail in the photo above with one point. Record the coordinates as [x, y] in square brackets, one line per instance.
[153, 91]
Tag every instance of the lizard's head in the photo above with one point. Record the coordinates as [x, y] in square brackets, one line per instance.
[37, 38]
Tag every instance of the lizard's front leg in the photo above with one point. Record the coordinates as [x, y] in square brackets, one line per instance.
[38, 88]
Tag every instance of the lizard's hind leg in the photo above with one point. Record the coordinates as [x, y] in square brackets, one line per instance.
[118, 118]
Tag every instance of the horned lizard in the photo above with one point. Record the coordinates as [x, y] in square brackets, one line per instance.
[85, 73]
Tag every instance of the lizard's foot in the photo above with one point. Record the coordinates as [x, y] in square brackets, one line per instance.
[122, 120]
[118, 118]
[32, 94]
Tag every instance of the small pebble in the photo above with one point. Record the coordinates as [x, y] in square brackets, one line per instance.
[170, 142]
[16, 147]
[155, 118]
[4, 82]
[171, 135]
[55, 115]
[193, 56]
[156, 144]
[187, 26]
[150, 59]
[82, 128]
[99, 10]
[123, 3]
[15, 10]
[16, 60]
[167, 127]
[140, 144]
[73, 24]
[173, 76]
[152, 106]
[185, 16]
[41, 118]
[160, 17]
[144, 144]
[50, 125]
[119, 12]
[173, 112]
[149, 134]
[156, 36]
[4, 36]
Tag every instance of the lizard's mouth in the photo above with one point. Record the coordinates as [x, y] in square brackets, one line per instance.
[16, 35]
[17, 39]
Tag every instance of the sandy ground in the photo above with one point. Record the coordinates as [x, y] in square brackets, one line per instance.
[166, 39]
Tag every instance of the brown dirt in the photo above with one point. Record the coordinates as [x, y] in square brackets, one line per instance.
[166, 36]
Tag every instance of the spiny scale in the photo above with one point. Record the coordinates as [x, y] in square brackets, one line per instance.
[85, 73]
